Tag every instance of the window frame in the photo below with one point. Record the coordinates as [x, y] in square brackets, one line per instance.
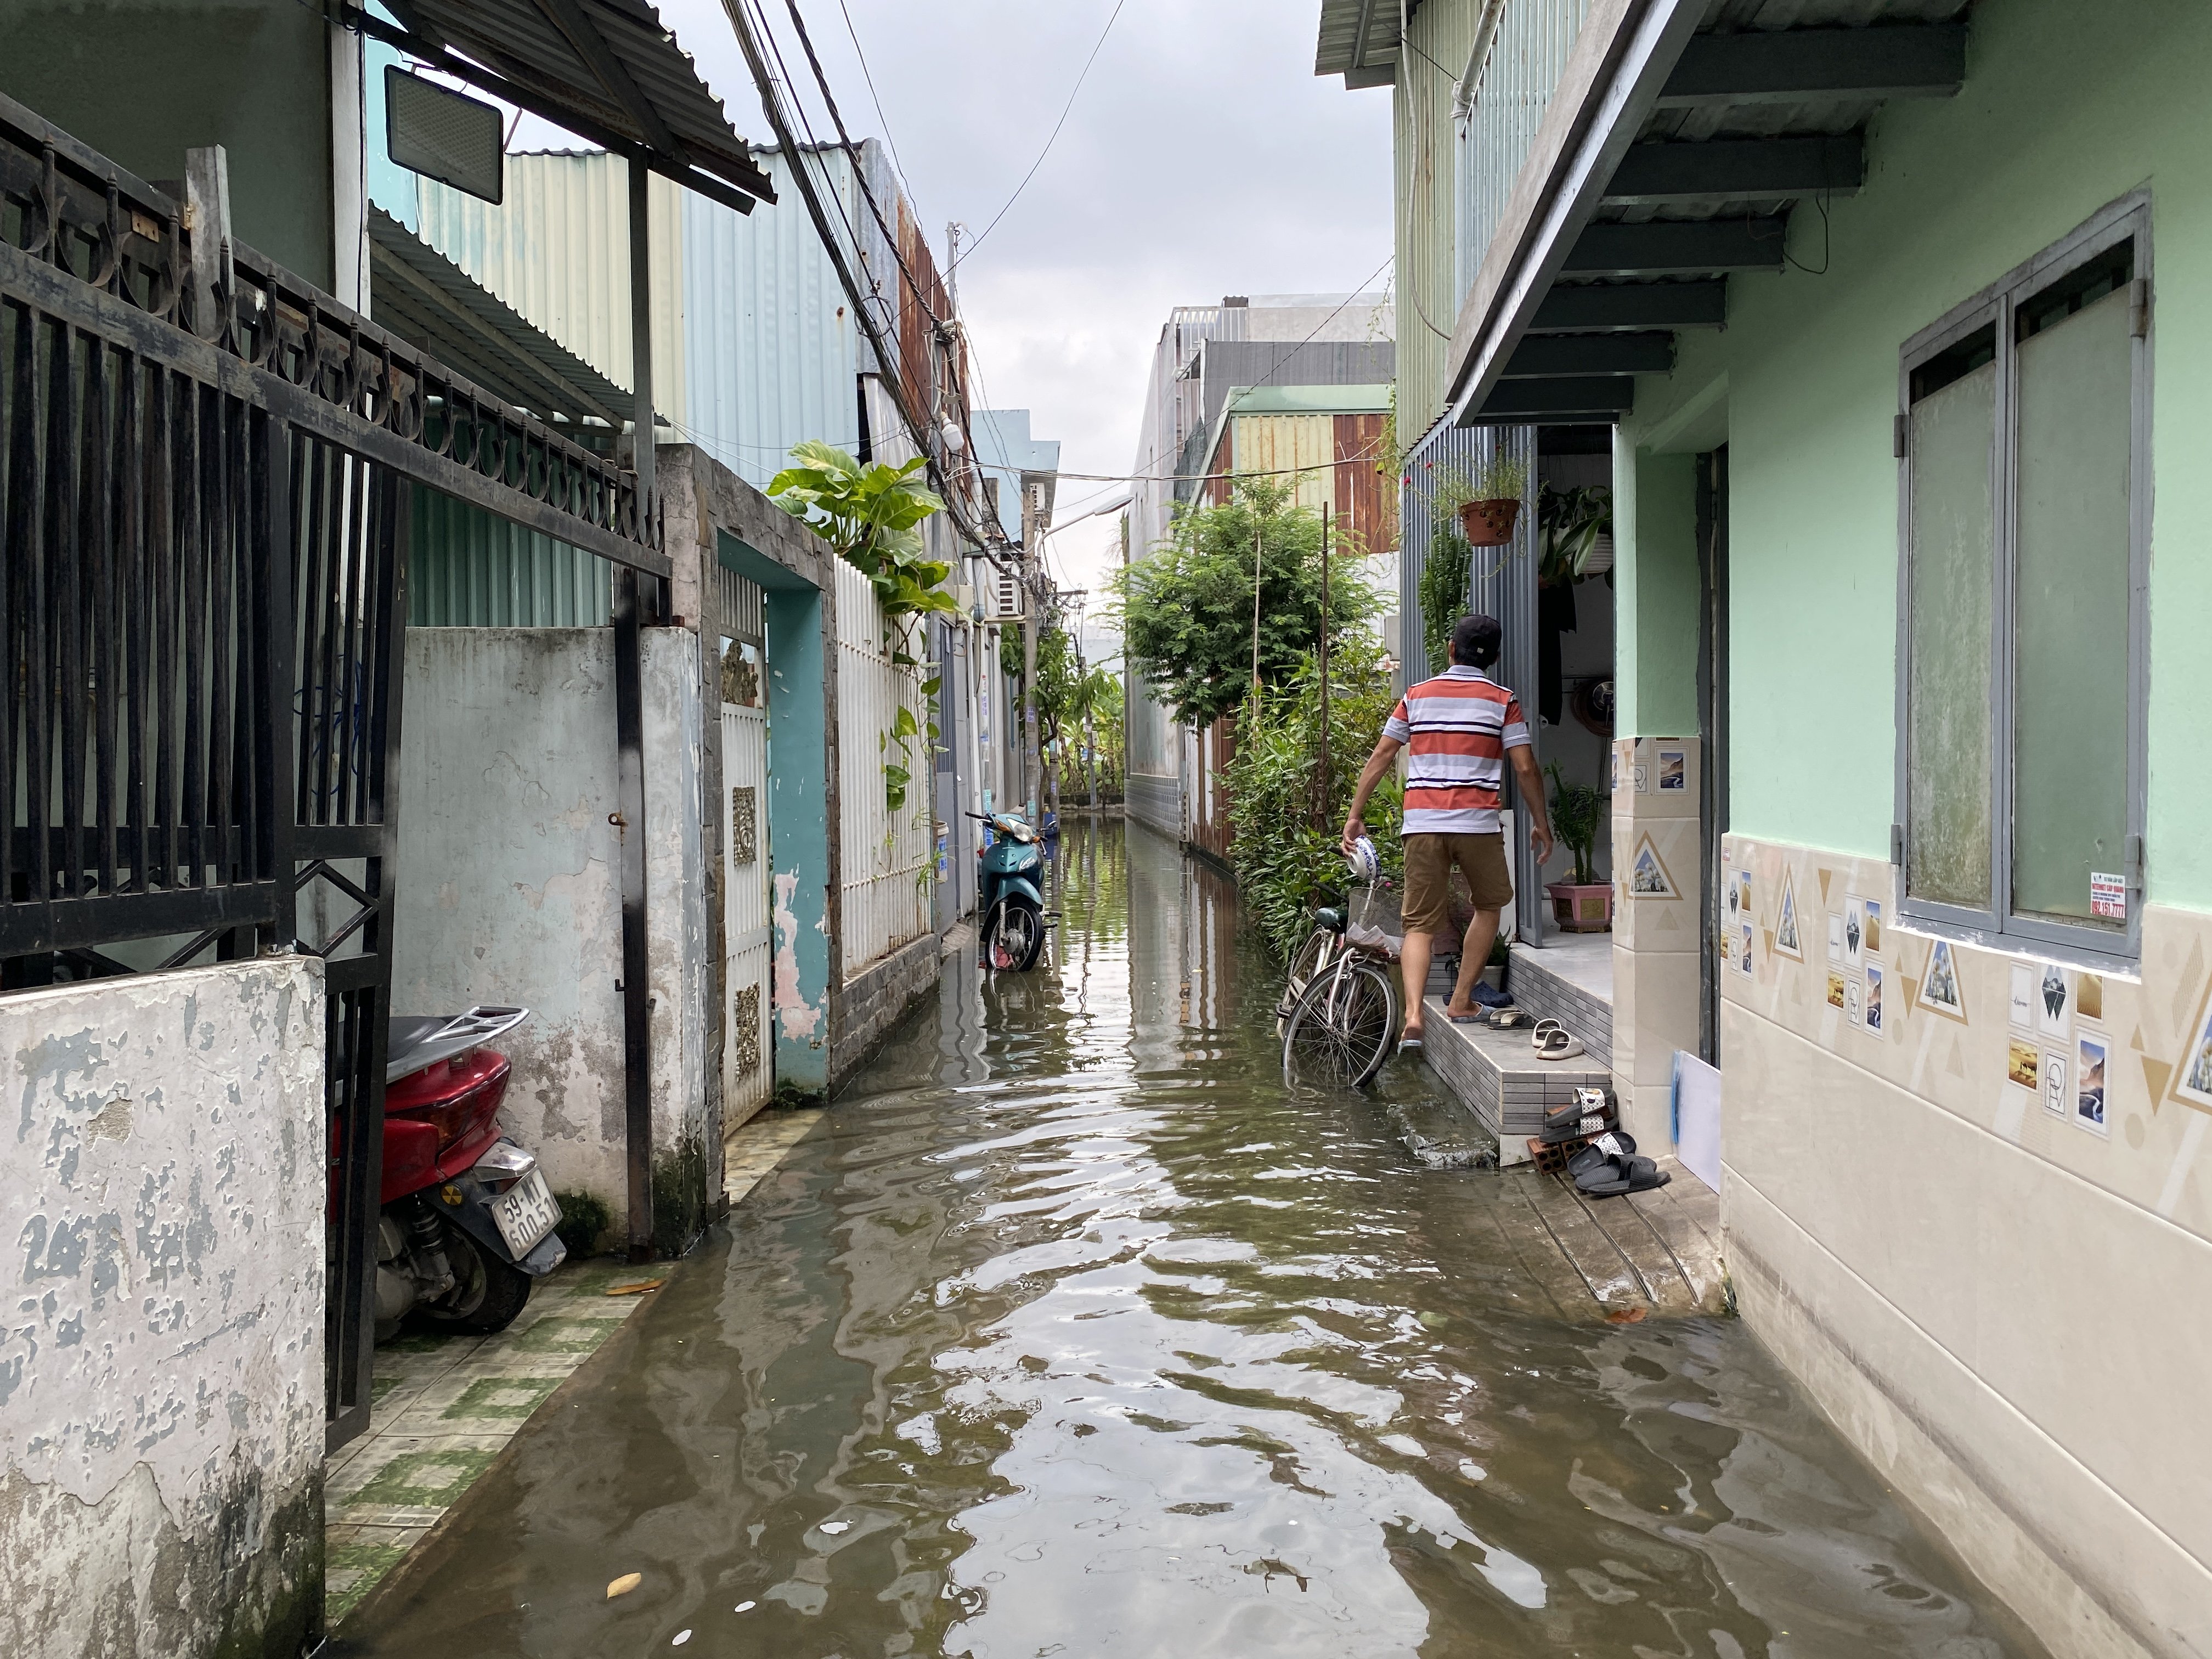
[2125, 221]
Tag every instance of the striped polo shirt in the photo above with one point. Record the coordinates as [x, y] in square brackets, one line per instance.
[1456, 728]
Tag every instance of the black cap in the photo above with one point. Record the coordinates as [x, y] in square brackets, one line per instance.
[1474, 641]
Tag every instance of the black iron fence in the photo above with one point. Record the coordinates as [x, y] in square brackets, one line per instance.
[204, 471]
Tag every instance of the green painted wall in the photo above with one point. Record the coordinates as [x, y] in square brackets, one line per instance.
[142, 83]
[1656, 594]
[2057, 120]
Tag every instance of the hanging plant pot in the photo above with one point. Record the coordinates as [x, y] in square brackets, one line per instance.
[1580, 908]
[1489, 523]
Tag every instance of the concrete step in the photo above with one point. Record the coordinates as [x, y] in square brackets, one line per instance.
[1570, 980]
[1496, 1076]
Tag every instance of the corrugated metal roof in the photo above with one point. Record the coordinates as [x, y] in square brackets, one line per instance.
[1359, 39]
[557, 251]
[431, 302]
[606, 64]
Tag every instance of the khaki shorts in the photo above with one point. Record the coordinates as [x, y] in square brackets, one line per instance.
[1429, 862]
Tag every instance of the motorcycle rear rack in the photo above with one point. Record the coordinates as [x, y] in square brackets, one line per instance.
[414, 1041]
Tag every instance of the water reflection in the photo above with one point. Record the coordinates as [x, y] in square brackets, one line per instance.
[1072, 1332]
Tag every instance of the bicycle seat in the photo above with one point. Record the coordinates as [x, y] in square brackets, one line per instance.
[1329, 918]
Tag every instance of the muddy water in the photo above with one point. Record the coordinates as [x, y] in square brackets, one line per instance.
[1071, 1332]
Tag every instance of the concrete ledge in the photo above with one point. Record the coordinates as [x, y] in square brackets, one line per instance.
[877, 999]
[1496, 1076]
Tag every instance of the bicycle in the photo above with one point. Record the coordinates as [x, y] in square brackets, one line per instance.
[1341, 1022]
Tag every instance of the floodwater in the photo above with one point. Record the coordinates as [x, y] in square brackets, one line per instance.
[1070, 1331]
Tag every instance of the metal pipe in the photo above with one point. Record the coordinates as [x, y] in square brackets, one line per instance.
[629, 820]
[641, 339]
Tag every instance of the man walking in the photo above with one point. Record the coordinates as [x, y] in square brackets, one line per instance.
[1461, 727]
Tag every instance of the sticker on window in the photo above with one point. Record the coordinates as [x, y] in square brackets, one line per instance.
[2108, 896]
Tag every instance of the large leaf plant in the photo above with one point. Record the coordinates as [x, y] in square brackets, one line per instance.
[873, 515]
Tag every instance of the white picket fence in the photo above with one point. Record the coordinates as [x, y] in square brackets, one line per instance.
[887, 855]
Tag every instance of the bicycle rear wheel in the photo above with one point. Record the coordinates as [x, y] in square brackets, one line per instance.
[1342, 1030]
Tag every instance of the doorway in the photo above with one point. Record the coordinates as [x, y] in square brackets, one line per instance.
[748, 932]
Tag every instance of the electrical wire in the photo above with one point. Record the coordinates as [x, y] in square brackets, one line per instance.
[1054, 134]
[993, 540]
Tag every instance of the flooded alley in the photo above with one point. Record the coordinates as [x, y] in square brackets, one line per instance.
[1070, 1331]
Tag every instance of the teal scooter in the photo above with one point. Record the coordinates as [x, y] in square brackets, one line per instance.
[1011, 890]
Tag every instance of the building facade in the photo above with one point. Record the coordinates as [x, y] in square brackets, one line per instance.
[1906, 791]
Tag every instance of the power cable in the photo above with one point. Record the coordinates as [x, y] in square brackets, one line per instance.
[868, 75]
[1056, 126]
[772, 107]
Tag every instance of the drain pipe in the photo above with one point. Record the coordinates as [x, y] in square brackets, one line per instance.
[1469, 84]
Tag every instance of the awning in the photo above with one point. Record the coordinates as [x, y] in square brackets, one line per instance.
[1670, 156]
[1360, 40]
[433, 304]
[607, 71]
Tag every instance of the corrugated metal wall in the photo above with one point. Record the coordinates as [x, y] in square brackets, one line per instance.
[1441, 32]
[1277, 443]
[1527, 54]
[557, 250]
[772, 351]
[467, 569]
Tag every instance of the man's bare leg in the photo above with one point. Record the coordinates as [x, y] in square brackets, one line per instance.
[1474, 956]
[1414, 963]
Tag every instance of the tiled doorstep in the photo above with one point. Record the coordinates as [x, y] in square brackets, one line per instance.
[446, 1406]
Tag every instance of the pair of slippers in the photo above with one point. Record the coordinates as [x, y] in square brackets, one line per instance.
[1498, 1016]
[1610, 1166]
[1590, 1112]
[1552, 1040]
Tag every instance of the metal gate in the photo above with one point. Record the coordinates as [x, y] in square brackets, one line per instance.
[205, 474]
[748, 946]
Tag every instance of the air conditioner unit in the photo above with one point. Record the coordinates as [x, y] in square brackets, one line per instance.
[1003, 595]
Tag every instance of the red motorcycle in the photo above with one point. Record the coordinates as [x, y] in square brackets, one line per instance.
[467, 1220]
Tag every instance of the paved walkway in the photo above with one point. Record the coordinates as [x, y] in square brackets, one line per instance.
[446, 1406]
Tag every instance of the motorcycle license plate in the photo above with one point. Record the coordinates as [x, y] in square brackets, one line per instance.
[525, 1213]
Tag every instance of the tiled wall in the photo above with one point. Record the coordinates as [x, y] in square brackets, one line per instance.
[1656, 923]
[1994, 1286]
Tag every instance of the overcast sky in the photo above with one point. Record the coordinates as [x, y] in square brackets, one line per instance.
[1201, 157]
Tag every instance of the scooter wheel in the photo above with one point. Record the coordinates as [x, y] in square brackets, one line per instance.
[487, 1294]
[1013, 937]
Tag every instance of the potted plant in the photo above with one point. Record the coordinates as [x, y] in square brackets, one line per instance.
[1571, 524]
[1493, 503]
[1583, 904]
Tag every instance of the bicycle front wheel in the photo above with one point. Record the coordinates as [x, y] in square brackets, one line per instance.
[1313, 956]
[1342, 1030]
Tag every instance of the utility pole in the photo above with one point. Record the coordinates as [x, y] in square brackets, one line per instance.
[1327, 615]
[1032, 603]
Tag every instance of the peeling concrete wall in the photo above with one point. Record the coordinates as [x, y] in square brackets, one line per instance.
[510, 882]
[161, 1356]
[679, 941]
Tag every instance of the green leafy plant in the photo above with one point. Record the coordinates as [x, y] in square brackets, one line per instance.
[873, 515]
[1568, 524]
[1186, 610]
[1284, 840]
[1447, 579]
[1578, 812]
[1502, 477]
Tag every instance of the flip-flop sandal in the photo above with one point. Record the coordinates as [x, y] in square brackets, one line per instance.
[1621, 1173]
[1504, 1019]
[1560, 1044]
[1466, 1020]
[1410, 1045]
[1545, 1027]
[1578, 1118]
[1605, 1146]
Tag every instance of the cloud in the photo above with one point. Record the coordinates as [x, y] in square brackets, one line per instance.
[1202, 157]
